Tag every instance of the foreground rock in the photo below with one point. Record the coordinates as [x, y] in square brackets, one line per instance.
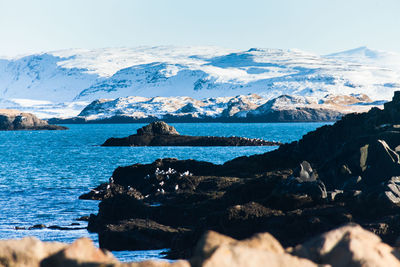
[26, 252]
[161, 134]
[16, 120]
[31, 252]
[215, 249]
[349, 245]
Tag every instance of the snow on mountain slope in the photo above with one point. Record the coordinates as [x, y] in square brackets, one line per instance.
[66, 80]
[269, 72]
[143, 107]
[39, 77]
[239, 106]
[106, 62]
[366, 56]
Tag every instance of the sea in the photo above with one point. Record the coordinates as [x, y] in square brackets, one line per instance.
[42, 173]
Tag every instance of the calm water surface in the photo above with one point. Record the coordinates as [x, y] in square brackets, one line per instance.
[42, 173]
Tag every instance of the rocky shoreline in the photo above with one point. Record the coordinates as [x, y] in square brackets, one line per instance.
[348, 245]
[342, 173]
[250, 108]
[161, 134]
[292, 115]
[11, 120]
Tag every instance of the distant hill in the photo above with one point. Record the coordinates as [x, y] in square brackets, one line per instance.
[62, 83]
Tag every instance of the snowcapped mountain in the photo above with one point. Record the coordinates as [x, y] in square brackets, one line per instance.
[251, 107]
[366, 56]
[62, 83]
[142, 107]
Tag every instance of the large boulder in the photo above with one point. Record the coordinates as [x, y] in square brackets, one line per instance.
[16, 120]
[27, 252]
[349, 245]
[240, 256]
[215, 249]
[81, 252]
[31, 252]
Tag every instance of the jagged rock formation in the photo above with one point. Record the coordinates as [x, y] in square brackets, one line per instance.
[161, 134]
[346, 172]
[16, 120]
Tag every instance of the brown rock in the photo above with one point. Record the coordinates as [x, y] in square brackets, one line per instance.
[209, 242]
[27, 252]
[263, 241]
[238, 255]
[215, 249]
[349, 245]
[81, 251]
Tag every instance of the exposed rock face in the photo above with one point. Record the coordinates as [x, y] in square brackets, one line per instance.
[139, 231]
[15, 120]
[28, 252]
[161, 134]
[260, 250]
[349, 245]
[81, 252]
[346, 172]
[157, 128]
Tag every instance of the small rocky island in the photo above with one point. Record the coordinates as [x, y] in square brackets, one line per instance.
[338, 174]
[161, 134]
[15, 120]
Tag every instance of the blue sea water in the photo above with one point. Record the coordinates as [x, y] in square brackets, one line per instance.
[42, 173]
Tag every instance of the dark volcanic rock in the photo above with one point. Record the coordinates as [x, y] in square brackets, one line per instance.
[346, 172]
[52, 227]
[137, 234]
[15, 120]
[157, 128]
[161, 134]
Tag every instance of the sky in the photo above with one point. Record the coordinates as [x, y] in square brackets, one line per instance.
[319, 26]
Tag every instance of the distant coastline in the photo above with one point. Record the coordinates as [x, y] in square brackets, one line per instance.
[186, 119]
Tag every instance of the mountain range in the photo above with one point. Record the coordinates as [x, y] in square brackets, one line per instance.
[63, 83]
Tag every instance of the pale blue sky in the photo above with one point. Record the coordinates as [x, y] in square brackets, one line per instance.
[320, 26]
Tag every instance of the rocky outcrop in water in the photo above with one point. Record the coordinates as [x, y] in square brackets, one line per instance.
[161, 134]
[16, 120]
[349, 245]
[341, 173]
